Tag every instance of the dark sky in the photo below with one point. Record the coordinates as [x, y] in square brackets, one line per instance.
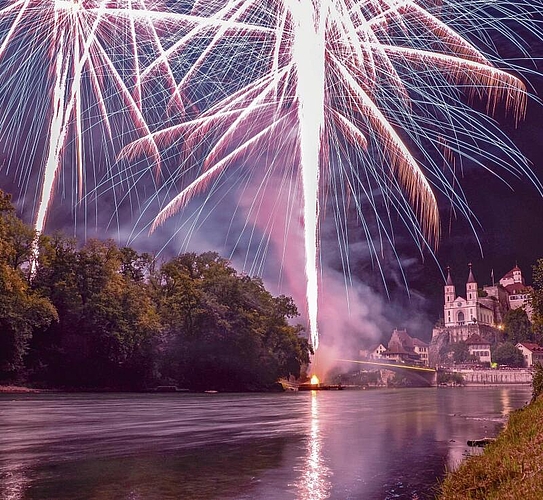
[510, 227]
[510, 219]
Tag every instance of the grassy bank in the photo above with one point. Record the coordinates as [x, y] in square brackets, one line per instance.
[509, 468]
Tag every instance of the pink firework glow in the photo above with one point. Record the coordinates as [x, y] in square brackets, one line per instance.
[369, 90]
[369, 107]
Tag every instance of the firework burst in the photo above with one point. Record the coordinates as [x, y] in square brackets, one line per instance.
[364, 106]
[74, 88]
[361, 96]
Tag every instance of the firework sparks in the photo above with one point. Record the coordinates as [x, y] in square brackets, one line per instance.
[73, 71]
[371, 90]
[361, 97]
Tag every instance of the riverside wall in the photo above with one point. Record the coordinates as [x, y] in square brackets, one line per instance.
[496, 377]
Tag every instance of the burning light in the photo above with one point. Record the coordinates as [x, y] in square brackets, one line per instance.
[315, 380]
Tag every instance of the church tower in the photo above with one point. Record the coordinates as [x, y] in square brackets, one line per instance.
[450, 295]
[471, 288]
[449, 288]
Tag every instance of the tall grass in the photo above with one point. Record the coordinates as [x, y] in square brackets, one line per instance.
[510, 468]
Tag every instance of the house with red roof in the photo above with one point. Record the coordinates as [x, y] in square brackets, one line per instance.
[533, 353]
[518, 292]
[404, 348]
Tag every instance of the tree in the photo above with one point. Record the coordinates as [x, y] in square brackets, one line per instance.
[536, 301]
[507, 354]
[103, 316]
[107, 318]
[22, 310]
[537, 381]
[458, 351]
[223, 330]
[517, 326]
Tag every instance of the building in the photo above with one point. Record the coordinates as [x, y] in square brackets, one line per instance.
[459, 311]
[482, 310]
[479, 348]
[533, 353]
[374, 352]
[422, 349]
[517, 291]
[406, 349]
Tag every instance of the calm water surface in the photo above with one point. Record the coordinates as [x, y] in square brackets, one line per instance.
[378, 444]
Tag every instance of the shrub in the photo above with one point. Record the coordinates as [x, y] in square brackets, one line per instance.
[537, 381]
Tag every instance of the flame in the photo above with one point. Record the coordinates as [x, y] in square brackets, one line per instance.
[315, 380]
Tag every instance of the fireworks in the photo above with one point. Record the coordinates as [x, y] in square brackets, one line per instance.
[368, 89]
[347, 97]
[72, 72]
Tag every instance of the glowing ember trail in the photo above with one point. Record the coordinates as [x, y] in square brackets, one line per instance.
[309, 40]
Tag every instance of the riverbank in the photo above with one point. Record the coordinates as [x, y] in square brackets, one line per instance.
[17, 389]
[510, 468]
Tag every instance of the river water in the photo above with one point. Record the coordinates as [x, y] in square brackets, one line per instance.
[375, 444]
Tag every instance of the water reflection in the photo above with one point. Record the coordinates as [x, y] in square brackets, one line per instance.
[315, 483]
[505, 402]
[15, 482]
[335, 444]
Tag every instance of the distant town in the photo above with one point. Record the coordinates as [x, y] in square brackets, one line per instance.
[482, 327]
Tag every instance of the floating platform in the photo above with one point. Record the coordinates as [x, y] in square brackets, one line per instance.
[320, 387]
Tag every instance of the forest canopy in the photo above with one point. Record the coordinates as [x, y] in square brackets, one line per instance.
[101, 316]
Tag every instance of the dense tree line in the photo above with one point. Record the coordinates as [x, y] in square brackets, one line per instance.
[102, 316]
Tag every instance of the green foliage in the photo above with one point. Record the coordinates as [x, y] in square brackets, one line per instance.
[450, 378]
[224, 330]
[507, 354]
[537, 381]
[536, 300]
[517, 326]
[103, 316]
[457, 352]
[509, 468]
[22, 311]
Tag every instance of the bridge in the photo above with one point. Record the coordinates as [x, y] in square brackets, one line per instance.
[423, 375]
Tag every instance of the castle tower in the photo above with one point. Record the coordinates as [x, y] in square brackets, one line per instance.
[517, 275]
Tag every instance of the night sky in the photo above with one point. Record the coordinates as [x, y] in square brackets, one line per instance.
[509, 227]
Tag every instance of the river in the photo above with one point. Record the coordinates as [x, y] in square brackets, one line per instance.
[374, 444]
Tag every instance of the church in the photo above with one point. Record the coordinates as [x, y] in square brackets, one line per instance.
[481, 311]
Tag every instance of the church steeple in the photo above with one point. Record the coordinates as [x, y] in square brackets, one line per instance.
[471, 286]
[449, 296]
[449, 288]
[471, 278]
[449, 281]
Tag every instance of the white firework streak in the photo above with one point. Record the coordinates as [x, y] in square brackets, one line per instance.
[365, 85]
[74, 41]
[335, 66]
